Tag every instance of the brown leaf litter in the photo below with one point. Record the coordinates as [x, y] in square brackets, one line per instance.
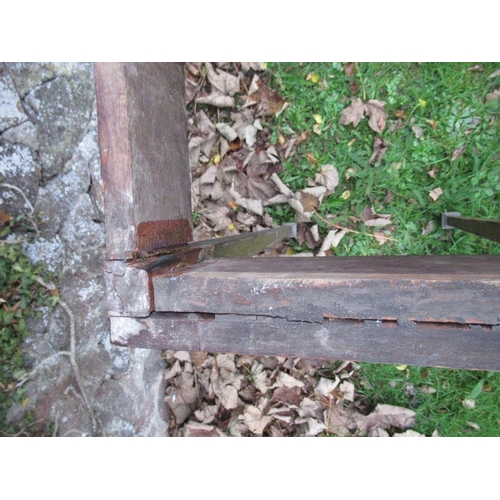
[216, 395]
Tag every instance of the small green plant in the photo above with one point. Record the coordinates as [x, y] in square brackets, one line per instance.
[21, 295]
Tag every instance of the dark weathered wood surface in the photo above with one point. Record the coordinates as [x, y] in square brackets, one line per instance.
[144, 156]
[460, 289]
[464, 347]
[486, 228]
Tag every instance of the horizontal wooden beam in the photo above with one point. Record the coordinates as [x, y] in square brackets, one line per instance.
[452, 346]
[457, 289]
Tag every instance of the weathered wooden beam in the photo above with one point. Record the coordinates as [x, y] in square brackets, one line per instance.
[144, 156]
[458, 289]
[421, 344]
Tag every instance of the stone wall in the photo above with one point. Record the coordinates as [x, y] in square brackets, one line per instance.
[49, 149]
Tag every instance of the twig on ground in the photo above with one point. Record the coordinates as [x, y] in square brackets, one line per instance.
[241, 79]
[31, 209]
[349, 230]
[29, 376]
[72, 354]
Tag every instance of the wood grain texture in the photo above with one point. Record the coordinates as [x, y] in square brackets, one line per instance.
[421, 345]
[455, 289]
[144, 156]
[116, 158]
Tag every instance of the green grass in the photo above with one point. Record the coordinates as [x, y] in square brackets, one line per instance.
[443, 410]
[454, 99]
[447, 102]
[20, 297]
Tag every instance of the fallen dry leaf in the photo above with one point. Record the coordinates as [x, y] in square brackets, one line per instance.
[218, 215]
[182, 397]
[314, 427]
[182, 355]
[217, 99]
[331, 240]
[428, 228]
[377, 115]
[221, 80]
[268, 102]
[193, 68]
[433, 172]
[385, 416]
[367, 213]
[380, 237]
[354, 87]
[426, 389]
[326, 386]
[435, 193]
[203, 139]
[379, 149]
[252, 205]
[4, 218]
[285, 380]
[309, 201]
[256, 66]
[255, 419]
[191, 88]
[259, 377]
[469, 404]
[379, 222]
[388, 197]
[338, 422]
[174, 371]
[349, 69]
[495, 74]
[226, 380]
[408, 433]
[255, 85]
[313, 77]
[474, 426]
[354, 113]
[311, 158]
[493, 95]
[309, 234]
[195, 429]
[210, 175]
[227, 131]
[477, 68]
[283, 188]
[400, 113]
[418, 131]
[373, 108]
[457, 153]
[328, 177]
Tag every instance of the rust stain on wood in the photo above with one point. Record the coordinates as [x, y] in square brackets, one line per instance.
[153, 235]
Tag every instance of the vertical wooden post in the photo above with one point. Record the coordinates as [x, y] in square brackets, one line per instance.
[144, 156]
